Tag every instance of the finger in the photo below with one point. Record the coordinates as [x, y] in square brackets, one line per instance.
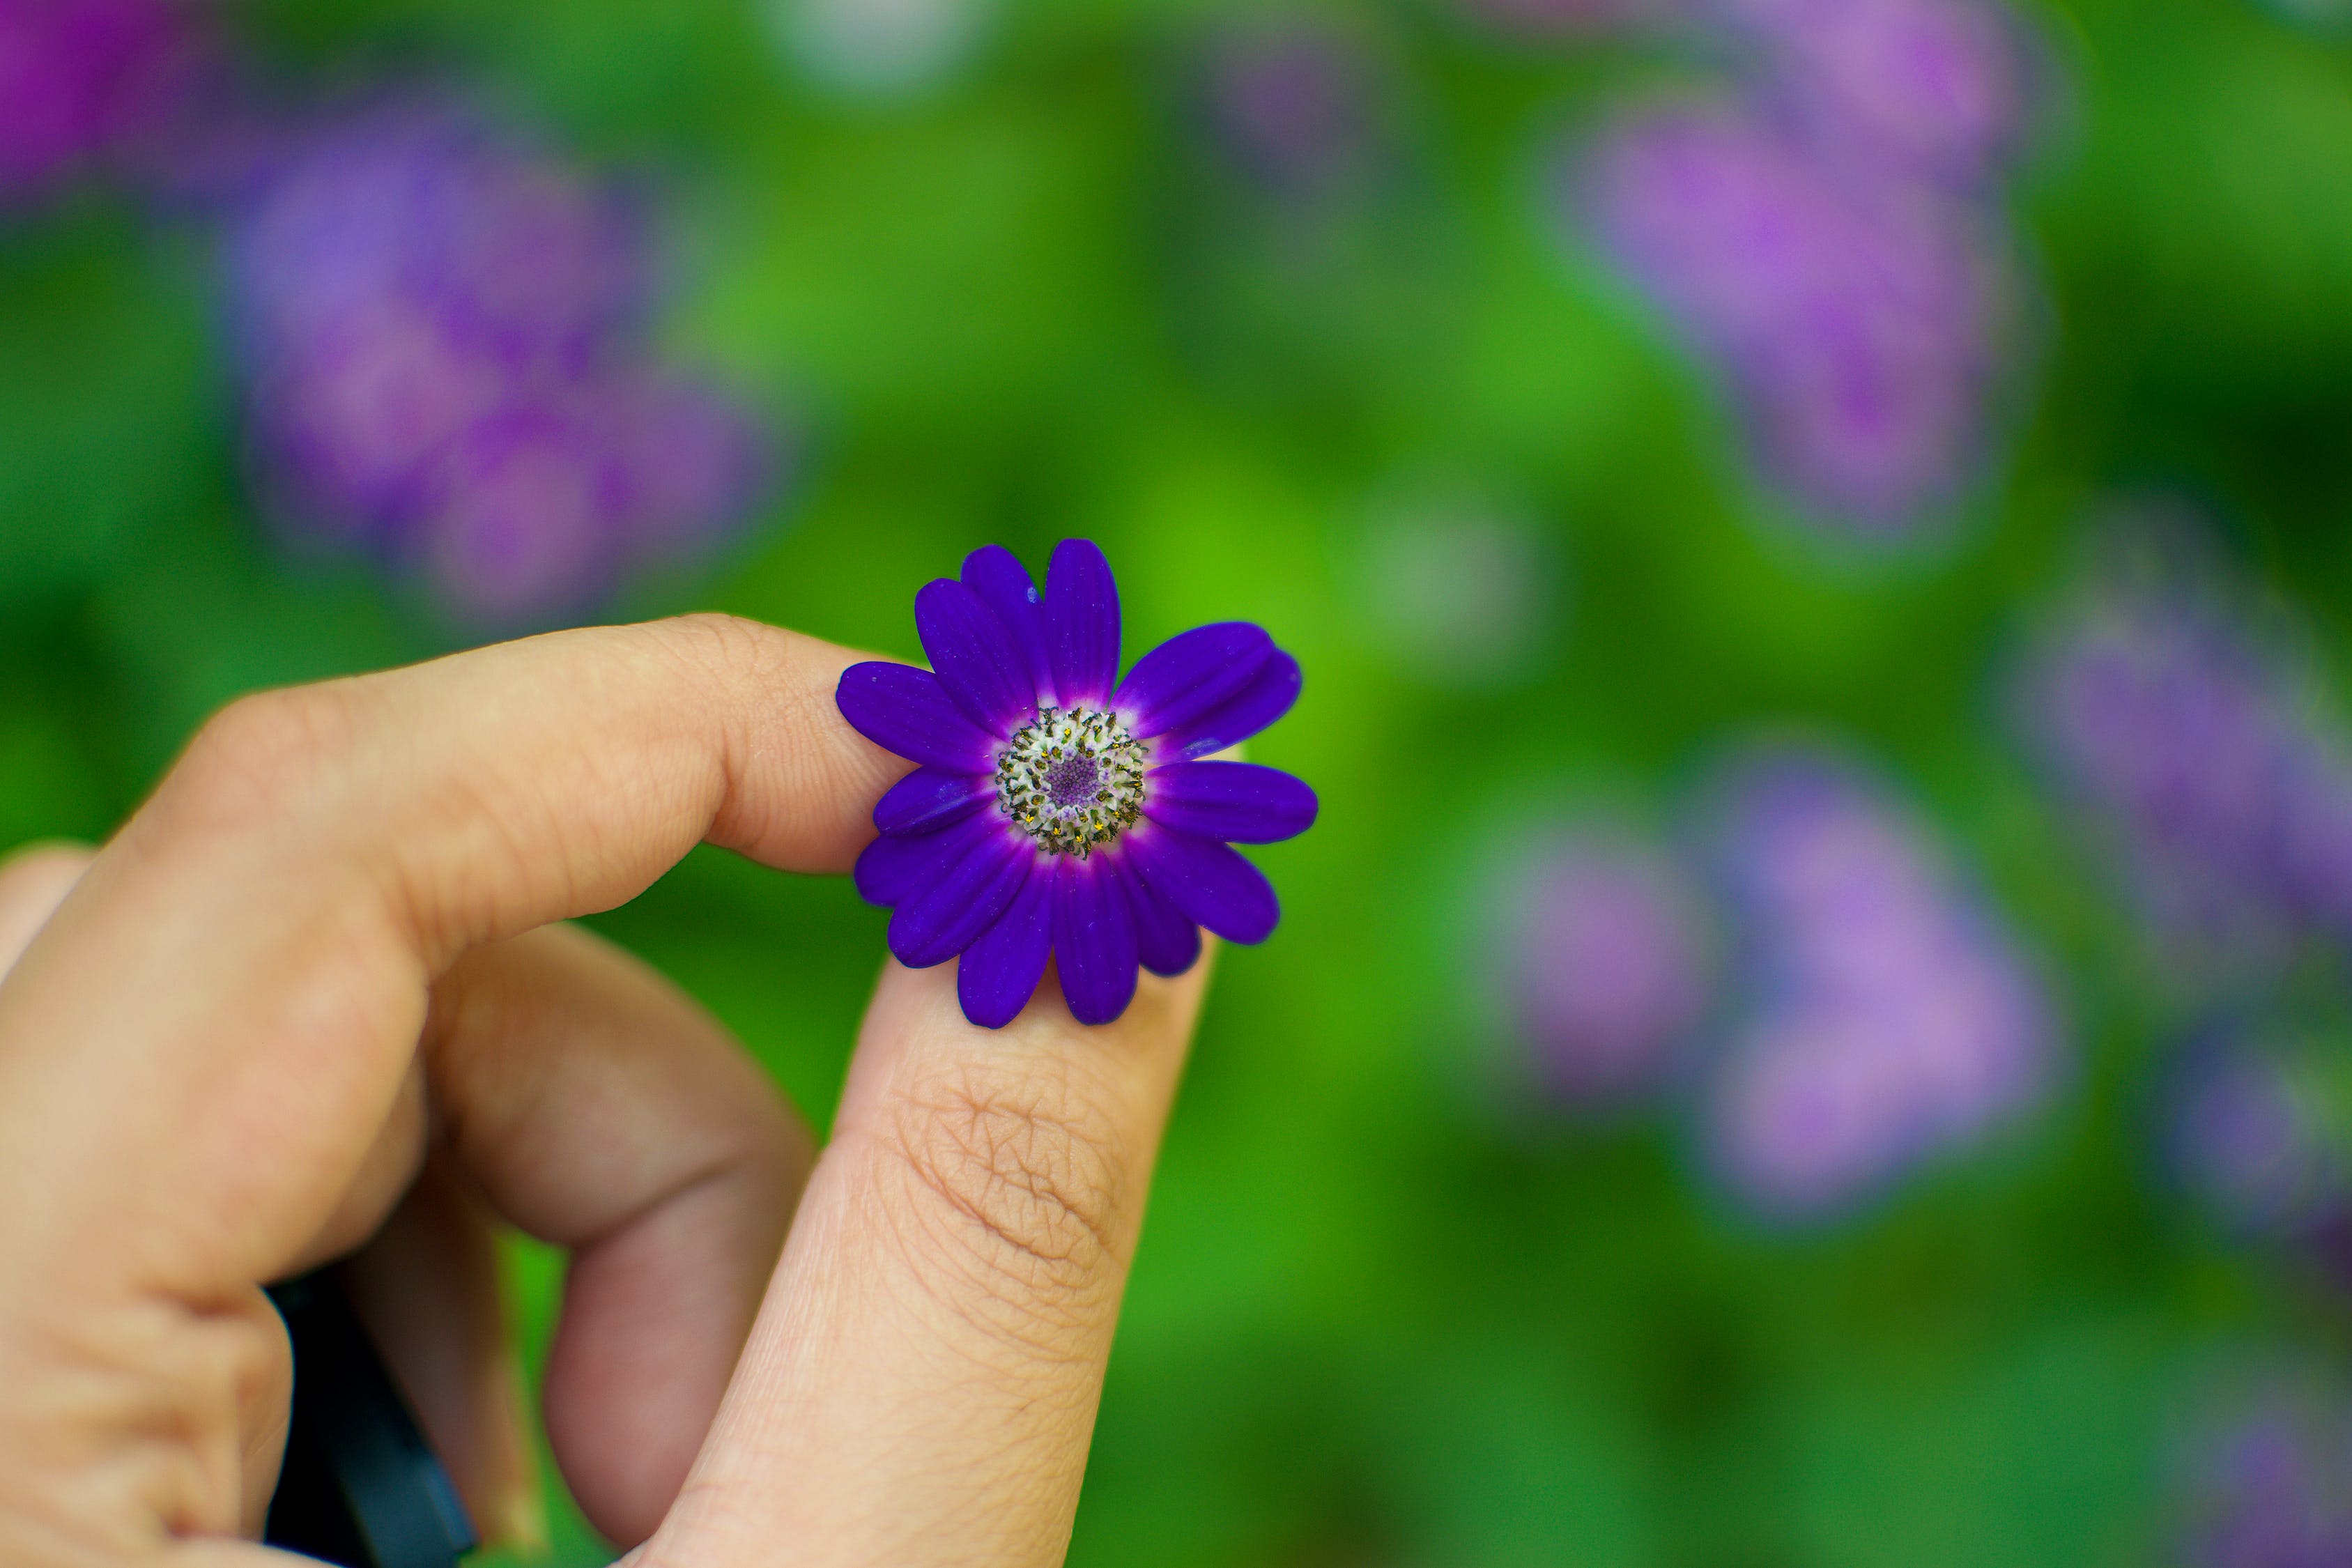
[279, 908]
[32, 881]
[594, 1105]
[579, 1094]
[428, 1288]
[598, 1107]
[921, 1386]
[320, 854]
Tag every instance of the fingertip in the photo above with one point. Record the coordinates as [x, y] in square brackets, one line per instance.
[808, 779]
[926, 1004]
[1164, 1008]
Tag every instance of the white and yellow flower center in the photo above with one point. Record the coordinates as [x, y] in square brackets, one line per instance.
[1072, 780]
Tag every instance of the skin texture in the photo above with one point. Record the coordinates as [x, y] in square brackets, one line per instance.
[314, 1001]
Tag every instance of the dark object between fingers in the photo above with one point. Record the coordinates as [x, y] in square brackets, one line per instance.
[359, 1487]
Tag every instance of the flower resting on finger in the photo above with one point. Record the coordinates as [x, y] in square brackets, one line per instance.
[1059, 811]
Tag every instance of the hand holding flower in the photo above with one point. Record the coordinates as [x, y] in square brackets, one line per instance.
[309, 1003]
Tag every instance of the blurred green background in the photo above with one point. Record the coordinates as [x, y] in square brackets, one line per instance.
[1373, 1321]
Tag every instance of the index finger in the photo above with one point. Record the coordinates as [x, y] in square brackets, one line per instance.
[251, 955]
[921, 1386]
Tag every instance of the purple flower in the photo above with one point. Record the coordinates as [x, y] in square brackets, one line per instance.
[420, 198]
[82, 79]
[1856, 319]
[1888, 1019]
[2161, 705]
[2248, 1134]
[442, 334]
[1609, 970]
[1938, 88]
[1059, 810]
[519, 517]
[2268, 1484]
[1293, 105]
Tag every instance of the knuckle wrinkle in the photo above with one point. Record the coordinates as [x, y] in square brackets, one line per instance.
[1024, 1179]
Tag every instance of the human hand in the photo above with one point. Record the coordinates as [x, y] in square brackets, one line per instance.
[311, 999]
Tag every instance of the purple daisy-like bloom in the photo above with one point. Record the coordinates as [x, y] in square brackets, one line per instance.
[1609, 970]
[1057, 810]
[1889, 1019]
[1858, 320]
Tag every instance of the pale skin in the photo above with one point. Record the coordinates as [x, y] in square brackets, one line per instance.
[316, 999]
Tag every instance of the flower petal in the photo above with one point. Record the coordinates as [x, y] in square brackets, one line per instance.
[1207, 882]
[1191, 674]
[1081, 623]
[1004, 585]
[936, 922]
[894, 866]
[1240, 803]
[1265, 699]
[1165, 941]
[929, 799]
[1094, 939]
[1000, 972]
[907, 711]
[975, 657]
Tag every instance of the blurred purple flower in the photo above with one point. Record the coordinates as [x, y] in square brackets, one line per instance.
[1859, 321]
[695, 463]
[423, 204]
[1609, 967]
[2315, 826]
[2159, 704]
[1935, 88]
[1293, 104]
[1889, 1019]
[523, 515]
[442, 332]
[82, 80]
[2269, 1485]
[2247, 1133]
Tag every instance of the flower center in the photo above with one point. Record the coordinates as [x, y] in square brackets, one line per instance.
[1072, 780]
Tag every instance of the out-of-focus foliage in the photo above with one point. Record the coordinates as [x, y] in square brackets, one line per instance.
[1291, 309]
